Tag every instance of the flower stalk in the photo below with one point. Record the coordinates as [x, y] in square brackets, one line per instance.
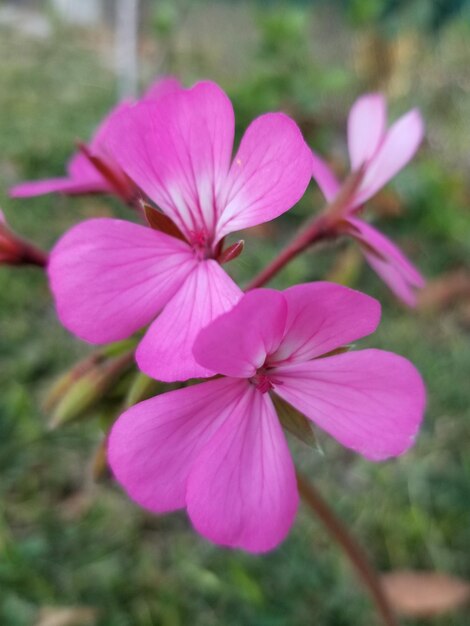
[320, 227]
[327, 226]
[339, 532]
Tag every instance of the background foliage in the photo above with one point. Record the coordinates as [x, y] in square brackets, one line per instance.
[65, 540]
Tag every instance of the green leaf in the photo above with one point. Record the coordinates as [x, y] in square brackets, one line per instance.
[77, 398]
[295, 422]
[141, 388]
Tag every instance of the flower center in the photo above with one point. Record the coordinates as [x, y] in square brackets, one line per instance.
[201, 244]
[264, 380]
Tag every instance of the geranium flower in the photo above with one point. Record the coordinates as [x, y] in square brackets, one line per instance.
[111, 277]
[217, 448]
[382, 153]
[92, 169]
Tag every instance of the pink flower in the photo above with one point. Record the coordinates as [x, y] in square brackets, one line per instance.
[102, 176]
[382, 153]
[111, 277]
[217, 448]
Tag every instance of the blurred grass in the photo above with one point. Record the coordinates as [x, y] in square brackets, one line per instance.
[66, 541]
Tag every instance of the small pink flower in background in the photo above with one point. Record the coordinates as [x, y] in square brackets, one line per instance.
[382, 153]
[217, 448]
[111, 277]
[85, 177]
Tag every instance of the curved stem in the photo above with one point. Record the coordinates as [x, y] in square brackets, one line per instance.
[356, 554]
[323, 226]
[313, 231]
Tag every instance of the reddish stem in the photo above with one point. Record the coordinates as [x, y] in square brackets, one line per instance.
[17, 251]
[316, 229]
[356, 554]
[326, 226]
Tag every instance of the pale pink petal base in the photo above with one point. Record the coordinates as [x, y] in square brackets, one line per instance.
[242, 491]
[109, 277]
[370, 401]
[153, 445]
[178, 150]
[166, 351]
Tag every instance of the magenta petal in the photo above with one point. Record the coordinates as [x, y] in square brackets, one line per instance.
[110, 277]
[237, 343]
[366, 127]
[67, 186]
[83, 177]
[389, 261]
[178, 151]
[269, 174]
[242, 490]
[322, 317]
[324, 177]
[152, 446]
[371, 401]
[161, 87]
[98, 141]
[398, 147]
[166, 351]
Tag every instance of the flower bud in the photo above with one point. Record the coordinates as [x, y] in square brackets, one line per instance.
[17, 251]
[232, 252]
[85, 386]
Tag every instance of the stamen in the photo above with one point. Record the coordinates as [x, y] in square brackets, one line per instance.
[201, 244]
[262, 382]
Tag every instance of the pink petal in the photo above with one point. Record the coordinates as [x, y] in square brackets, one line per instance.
[162, 87]
[324, 177]
[237, 343]
[371, 401]
[398, 147]
[389, 262]
[153, 445]
[83, 174]
[98, 141]
[322, 317]
[366, 127]
[178, 151]
[110, 277]
[83, 177]
[269, 174]
[67, 186]
[166, 351]
[242, 490]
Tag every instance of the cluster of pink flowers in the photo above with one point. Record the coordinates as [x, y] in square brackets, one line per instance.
[217, 448]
